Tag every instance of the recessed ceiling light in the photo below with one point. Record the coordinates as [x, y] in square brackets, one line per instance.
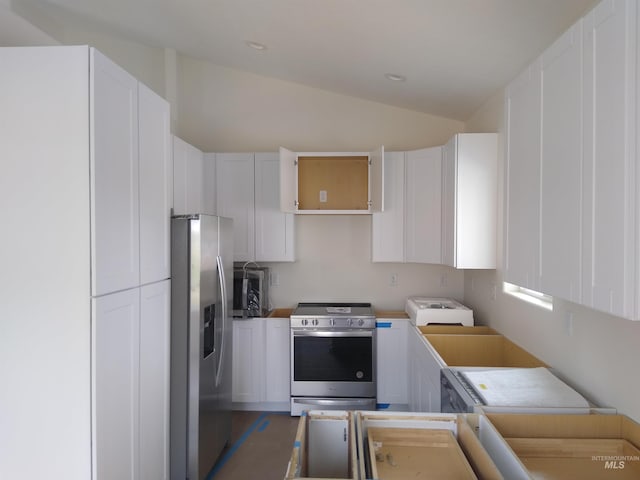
[394, 77]
[256, 46]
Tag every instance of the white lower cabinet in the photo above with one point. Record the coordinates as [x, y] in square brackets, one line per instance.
[277, 360]
[155, 328]
[424, 375]
[248, 360]
[115, 368]
[392, 362]
[261, 359]
[130, 365]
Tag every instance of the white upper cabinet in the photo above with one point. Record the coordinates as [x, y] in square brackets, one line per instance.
[572, 189]
[469, 193]
[332, 182]
[409, 228]
[235, 199]
[274, 230]
[247, 189]
[114, 175]
[522, 178]
[610, 221]
[188, 173]
[561, 166]
[423, 183]
[155, 185]
[387, 228]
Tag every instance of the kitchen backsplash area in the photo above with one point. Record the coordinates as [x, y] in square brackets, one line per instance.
[333, 262]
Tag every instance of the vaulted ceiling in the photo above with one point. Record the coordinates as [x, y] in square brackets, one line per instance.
[446, 56]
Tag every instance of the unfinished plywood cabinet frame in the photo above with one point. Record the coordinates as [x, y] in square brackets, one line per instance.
[332, 182]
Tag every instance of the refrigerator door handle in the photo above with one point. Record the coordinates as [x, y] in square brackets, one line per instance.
[223, 291]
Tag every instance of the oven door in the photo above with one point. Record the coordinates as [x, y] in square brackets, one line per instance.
[333, 363]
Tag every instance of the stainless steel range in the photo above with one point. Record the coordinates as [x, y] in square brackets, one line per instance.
[333, 357]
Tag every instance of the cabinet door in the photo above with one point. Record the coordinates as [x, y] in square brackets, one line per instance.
[387, 228]
[154, 380]
[392, 361]
[248, 361]
[449, 167]
[274, 229]
[115, 242]
[187, 178]
[235, 198]
[522, 202]
[610, 106]
[288, 180]
[278, 358]
[561, 166]
[376, 180]
[423, 205]
[115, 374]
[155, 164]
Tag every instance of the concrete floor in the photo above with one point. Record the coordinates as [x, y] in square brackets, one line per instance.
[260, 447]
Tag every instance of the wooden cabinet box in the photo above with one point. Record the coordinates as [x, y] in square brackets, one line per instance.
[331, 182]
[325, 447]
[431, 446]
[481, 351]
[562, 446]
[456, 330]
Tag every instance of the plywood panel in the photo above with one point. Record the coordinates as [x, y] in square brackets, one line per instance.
[400, 453]
[560, 458]
[333, 183]
[481, 351]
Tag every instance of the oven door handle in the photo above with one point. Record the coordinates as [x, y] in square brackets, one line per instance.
[332, 402]
[333, 333]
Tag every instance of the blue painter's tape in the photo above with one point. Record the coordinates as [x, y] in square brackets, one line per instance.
[234, 448]
[304, 413]
[383, 324]
[262, 427]
[382, 406]
[296, 444]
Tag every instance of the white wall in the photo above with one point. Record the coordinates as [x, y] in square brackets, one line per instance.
[601, 355]
[334, 263]
[225, 110]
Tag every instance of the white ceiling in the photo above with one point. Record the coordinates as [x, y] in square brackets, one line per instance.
[454, 53]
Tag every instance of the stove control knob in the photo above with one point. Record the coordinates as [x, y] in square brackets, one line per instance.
[314, 322]
[305, 322]
[360, 322]
[349, 322]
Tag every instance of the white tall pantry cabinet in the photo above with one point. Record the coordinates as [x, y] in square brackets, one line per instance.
[85, 253]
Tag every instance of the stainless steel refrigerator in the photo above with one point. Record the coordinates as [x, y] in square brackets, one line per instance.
[201, 342]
